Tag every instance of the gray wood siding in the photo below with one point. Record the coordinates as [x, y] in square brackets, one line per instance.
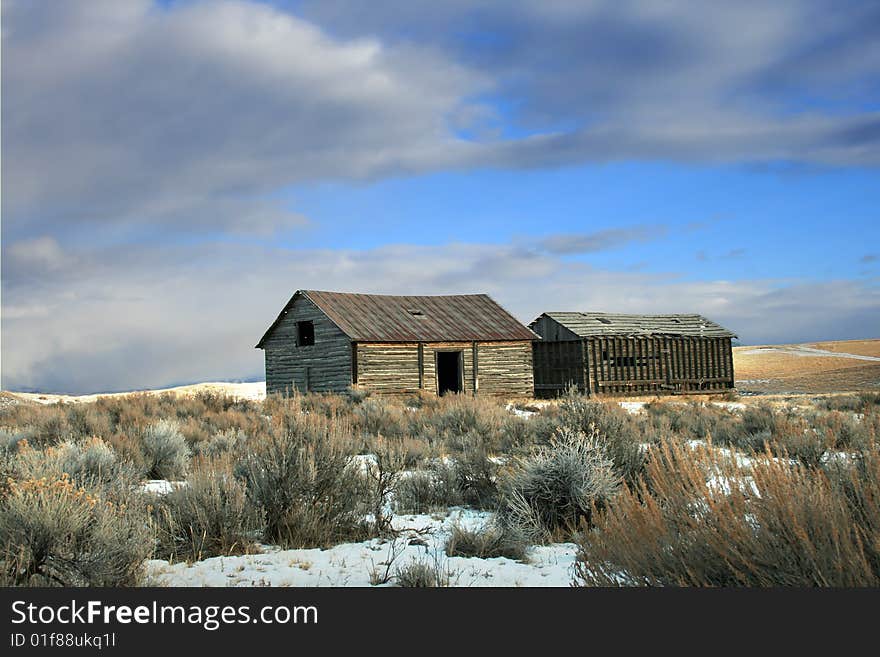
[392, 367]
[322, 367]
[623, 365]
[651, 365]
[503, 368]
[552, 331]
[558, 365]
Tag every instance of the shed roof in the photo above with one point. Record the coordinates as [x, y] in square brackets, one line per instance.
[387, 318]
[592, 324]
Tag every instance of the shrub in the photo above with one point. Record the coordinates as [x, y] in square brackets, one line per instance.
[415, 451]
[580, 413]
[86, 462]
[858, 403]
[455, 417]
[694, 421]
[795, 438]
[11, 439]
[844, 431]
[756, 429]
[53, 532]
[208, 517]
[50, 424]
[475, 474]
[222, 442]
[165, 451]
[557, 487]
[429, 490]
[194, 431]
[423, 574]
[378, 417]
[619, 430]
[84, 421]
[302, 478]
[702, 523]
[486, 542]
[381, 476]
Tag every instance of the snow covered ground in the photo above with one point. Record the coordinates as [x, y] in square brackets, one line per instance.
[800, 350]
[350, 564]
[254, 391]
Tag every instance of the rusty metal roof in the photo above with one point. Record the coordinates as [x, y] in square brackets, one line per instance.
[591, 324]
[387, 318]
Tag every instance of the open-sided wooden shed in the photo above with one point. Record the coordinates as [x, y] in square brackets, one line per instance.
[617, 354]
[331, 341]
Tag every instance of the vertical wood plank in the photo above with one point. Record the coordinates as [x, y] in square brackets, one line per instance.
[354, 363]
[476, 367]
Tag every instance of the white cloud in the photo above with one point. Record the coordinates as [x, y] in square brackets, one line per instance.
[144, 317]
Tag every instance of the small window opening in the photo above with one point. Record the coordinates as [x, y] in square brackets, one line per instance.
[305, 334]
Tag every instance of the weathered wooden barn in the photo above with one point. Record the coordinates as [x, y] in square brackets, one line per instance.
[331, 341]
[615, 354]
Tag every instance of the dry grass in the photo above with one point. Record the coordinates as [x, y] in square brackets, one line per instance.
[860, 347]
[781, 370]
[697, 521]
[318, 470]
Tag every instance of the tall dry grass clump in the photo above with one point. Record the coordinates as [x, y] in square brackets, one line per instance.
[698, 520]
[434, 488]
[486, 542]
[210, 516]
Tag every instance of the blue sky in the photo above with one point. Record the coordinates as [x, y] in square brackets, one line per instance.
[174, 171]
[711, 222]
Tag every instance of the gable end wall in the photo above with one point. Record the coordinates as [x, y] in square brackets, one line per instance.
[322, 367]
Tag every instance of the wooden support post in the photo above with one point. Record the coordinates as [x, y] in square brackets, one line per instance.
[475, 351]
[585, 368]
[354, 363]
[421, 351]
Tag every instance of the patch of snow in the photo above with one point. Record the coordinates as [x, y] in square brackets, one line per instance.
[800, 350]
[253, 391]
[367, 463]
[161, 486]
[725, 485]
[632, 406]
[839, 456]
[422, 539]
[519, 412]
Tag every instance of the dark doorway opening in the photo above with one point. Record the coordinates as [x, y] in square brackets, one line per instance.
[449, 377]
